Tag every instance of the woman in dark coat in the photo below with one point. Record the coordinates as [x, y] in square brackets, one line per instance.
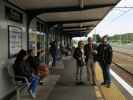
[22, 68]
[79, 56]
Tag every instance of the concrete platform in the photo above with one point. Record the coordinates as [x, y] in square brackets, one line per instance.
[60, 85]
[66, 89]
[112, 93]
[45, 89]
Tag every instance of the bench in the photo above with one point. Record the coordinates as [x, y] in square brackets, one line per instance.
[19, 85]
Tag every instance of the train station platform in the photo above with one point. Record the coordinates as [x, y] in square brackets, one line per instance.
[60, 85]
[35, 24]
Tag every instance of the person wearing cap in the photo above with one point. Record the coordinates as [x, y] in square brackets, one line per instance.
[105, 58]
[90, 58]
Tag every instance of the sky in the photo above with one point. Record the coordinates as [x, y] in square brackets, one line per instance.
[118, 20]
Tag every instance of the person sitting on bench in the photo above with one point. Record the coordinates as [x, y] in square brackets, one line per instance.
[21, 68]
[38, 68]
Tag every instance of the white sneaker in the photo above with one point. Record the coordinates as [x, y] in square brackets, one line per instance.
[33, 94]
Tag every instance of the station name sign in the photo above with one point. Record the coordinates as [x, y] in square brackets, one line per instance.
[13, 14]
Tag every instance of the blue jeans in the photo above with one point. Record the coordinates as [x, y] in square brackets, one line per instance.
[34, 83]
[106, 72]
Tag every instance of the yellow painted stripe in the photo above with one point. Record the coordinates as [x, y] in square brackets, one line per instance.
[112, 93]
[98, 93]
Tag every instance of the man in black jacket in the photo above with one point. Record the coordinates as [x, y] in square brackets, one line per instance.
[90, 58]
[105, 59]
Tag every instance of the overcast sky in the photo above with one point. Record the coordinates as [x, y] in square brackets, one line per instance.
[118, 21]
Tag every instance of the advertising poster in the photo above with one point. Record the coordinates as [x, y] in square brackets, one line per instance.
[14, 40]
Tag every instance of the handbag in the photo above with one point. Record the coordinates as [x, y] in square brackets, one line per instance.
[81, 62]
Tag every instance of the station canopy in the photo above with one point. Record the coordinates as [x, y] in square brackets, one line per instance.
[75, 16]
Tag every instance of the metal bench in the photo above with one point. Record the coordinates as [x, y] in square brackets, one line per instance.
[19, 85]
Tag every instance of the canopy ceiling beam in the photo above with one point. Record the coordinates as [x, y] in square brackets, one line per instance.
[74, 21]
[71, 27]
[78, 30]
[68, 9]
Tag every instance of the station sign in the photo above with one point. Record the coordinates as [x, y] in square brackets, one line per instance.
[13, 14]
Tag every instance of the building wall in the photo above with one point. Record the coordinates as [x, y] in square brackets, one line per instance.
[5, 82]
[6, 85]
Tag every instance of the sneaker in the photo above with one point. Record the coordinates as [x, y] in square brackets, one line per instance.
[93, 84]
[41, 83]
[76, 79]
[108, 85]
[103, 83]
[77, 83]
[32, 94]
[88, 79]
[81, 82]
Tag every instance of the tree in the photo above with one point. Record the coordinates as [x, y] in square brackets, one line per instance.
[97, 38]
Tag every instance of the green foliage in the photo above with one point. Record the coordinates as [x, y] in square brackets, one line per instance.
[97, 38]
[124, 38]
[85, 34]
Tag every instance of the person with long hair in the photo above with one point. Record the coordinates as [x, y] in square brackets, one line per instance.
[79, 56]
[22, 68]
[37, 67]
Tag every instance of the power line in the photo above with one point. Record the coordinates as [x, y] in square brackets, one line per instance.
[121, 15]
[124, 7]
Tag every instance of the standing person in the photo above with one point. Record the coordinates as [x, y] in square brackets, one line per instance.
[79, 56]
[53, 51]
[105, 59]
[90, 53]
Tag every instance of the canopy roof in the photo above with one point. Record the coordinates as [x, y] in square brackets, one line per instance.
[83, 15]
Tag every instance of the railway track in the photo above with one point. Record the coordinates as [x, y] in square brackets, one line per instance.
[119, 66]
[123, 73]
[127, 54]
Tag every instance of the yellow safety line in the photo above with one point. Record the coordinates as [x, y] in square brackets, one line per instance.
[112, 93]
[98, 93]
